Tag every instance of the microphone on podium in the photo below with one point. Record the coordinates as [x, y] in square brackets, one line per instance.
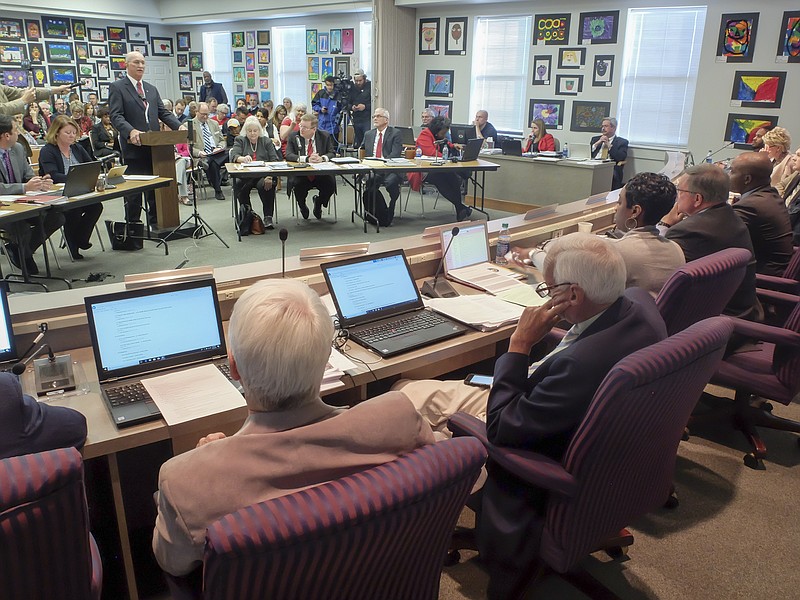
[433, 288]
[283, 234]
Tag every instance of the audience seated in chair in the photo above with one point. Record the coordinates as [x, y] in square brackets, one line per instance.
[210, 147]
[311, 145]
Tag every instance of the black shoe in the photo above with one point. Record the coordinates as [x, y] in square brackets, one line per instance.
[219, 195]
[303, 210]
[85, 245]
[268, 223]
[73, 251]
[317, 208]
[33, 268]
[463, 214]
[13, 255]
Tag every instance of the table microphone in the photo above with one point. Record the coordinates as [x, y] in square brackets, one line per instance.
[433, 288]
[283, 234]
[19, 368]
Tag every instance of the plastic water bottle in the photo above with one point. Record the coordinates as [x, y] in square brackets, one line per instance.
[565, 151]
[445, 153]
[418, 155]
[490, 143]
[503, 245]
[708, 157]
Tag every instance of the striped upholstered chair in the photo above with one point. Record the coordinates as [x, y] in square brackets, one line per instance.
[46, 550]
[620, 462]
[382, 533]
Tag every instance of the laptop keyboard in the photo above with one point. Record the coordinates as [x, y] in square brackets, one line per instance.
[420, 320]
[136, 392]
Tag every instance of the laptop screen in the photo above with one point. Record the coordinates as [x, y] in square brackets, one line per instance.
[470, 246]
[372, 287]
[8, 350]
[149, 329]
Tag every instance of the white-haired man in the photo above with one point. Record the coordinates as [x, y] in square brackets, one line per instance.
[538, 407]
[608, 145]
[280, 338]
[383, 142]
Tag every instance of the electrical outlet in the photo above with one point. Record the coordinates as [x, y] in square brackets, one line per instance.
[558, 233]
[230, 295]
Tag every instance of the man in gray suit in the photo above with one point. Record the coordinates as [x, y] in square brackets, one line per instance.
[383, 142]
[210, 146]
[136, 107]
[17, 178]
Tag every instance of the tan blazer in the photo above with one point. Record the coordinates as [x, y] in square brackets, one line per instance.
[216, 134]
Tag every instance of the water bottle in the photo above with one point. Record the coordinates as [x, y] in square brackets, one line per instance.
[101, 184]
[708, 157]
[489, 143]
[418, 155]
[503, 245]
[565, 151]
[445, 153]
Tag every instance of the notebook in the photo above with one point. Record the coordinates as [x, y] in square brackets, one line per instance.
[82, 179]
[8, 350]
[140, 332]
[378, 302]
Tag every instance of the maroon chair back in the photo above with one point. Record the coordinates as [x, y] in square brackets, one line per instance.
[793, 268]
[46, 551]
[702, 288]
[623, 453]
[382, 533]
[786, 359]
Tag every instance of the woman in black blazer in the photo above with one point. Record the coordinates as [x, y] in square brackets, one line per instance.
[105, 139]
[55, 158]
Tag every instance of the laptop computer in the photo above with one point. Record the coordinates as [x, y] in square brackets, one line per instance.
[471, 150]
[82, 179]
[378, 302]
[512, 147]
[8, 348]
[461, 133]
[406, 136]
[136, 333]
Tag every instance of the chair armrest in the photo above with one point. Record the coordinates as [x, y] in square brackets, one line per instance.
[767, 333]
[532, 467]
[775, 297]
[780, 284]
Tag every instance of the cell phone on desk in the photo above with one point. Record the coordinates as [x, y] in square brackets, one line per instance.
[481, 381]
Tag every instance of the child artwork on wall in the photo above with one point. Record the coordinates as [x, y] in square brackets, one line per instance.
[327, 68]
[348, 41]
[789, 39]
[313, 68]
[737, 37]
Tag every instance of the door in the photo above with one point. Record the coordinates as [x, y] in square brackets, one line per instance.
[159, 74]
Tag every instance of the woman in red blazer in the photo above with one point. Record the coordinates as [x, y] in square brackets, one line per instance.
[539, 140]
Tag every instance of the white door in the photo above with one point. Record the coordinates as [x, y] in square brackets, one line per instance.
[159, 73]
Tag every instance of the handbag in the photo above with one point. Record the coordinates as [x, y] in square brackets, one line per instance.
[244, 220]
[125, 236]
[257, 225]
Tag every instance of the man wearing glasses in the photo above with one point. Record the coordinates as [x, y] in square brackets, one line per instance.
[538, 406]
[311, 145]
[383, 142]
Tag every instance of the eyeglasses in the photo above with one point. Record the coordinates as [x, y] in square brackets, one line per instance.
[677, 189]
[544, 290]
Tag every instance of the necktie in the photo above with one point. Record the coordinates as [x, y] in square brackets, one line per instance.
[379, 147]
[604, 152]
[310, 150]
[208, 144]
[140, 91]
[9, 168]
[565, 342]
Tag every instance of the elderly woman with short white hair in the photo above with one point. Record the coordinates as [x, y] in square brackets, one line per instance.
[252, 145]
[777, 144]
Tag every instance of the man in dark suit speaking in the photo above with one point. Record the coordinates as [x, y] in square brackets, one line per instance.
[383, 142]
[136, 107]
[610, 145]
[311, 145]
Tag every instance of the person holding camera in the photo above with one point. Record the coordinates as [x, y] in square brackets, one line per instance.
[327, 107]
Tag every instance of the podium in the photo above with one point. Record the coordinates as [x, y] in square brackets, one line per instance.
[162, 147]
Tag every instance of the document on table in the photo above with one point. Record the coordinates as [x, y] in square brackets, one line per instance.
[192, 394]
[524, 295]
[478, 310]
[325, 166]
[140, 177]
[485, 276]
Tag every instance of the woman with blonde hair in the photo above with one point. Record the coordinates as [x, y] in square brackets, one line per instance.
[777, 144]
[538, 139]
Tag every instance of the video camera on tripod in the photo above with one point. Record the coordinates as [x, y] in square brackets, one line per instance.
[343, 87]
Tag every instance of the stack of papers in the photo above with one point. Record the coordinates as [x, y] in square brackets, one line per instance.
[325, 166]
[486, 276]
[480, 311]
[338, 365]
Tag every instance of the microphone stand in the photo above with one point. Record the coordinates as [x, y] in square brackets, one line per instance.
[433, 288]
[727, 145]
[283, 234]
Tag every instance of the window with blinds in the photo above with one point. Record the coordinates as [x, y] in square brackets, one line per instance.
[659, 74]
[500, 54]
[290, 78]
[218, 59]
[365, 47]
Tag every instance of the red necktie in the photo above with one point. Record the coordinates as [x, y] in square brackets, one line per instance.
[309, 152]
[379, 147]
[140, 91]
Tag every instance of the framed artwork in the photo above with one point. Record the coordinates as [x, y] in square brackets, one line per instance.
[120, 74]
[262, 37]
[36, 53]
[137, 32]
[542, 65]
[250, 40]
[264, 56]
[117, 48]
[87, 70]
[82, 51]
[11, 30]
[185, 80]
[740, 129]
[348, 41]
[311, 41]
[587, 117]
[238, 56]
[265, 95]
[552, 29]
[336, 41]
[439, 83]
[60, 52]
[97, 35]
[89, 83]
[55, 27]
[440, 108]
[140, 48]
[313, 68]
[549, 111]
[237, 39]
[183, 60]
[17, 78]
[103, 71]
[569, 85]
[12, 53]
[195, 61]
[33, 30]
[183, 40]
[428, 36]
[758, 89]
[599, 27]
[117, 64]
[788, 41]
[249, 61]
[322, 43]
[102, 89]
[327, 68]
[571, 58]
[39, 76]
[315, 87]
[62, 74]
[251, 80]
[263, 70]
[239, 90]
[263, 83]
[189, 97]
[238, 74]
[456, 35]
[79, 29]
[116, 34]
[198, 82]
[737, 37]
[603, 71]
[98, 50]
[342, 67]
[162, 46]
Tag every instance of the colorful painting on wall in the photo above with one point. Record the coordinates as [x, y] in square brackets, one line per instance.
[336, 41]
[440, 108]
[439, 83]
[789, 42]
[737, 37]
[603, 74]
[237, 39]
[552, 30]
[311, 41]
[327, 68]
[549, 111]
[456, 36]
[349, 41]
[542, 64]
[587, 116]
[428, 36]
[599, 28]
[740, 129]
[753, 89]
[313, 68]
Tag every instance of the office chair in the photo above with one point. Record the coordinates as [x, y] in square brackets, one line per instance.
[775, 293]
[620, 462]
[46, 549]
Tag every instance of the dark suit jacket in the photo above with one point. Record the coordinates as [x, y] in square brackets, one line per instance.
[265, 149]
[712, 230]
[618, 152]
[22, 171]
[100, 137]
[296, 148]
[392, 143]
[127, 114]
[51, 163]
[794, 207]
[767, 219]
[216, 91]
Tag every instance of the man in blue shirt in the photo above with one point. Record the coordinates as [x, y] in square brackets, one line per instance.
[326, 105]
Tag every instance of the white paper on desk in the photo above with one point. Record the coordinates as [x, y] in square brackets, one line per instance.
[324, 166]
[478, 310]
[327, 301]
[140, 177]
[486, 276]
[341, 362]
[192, 394]
[10, 199]
[6, 212]
[524, 295]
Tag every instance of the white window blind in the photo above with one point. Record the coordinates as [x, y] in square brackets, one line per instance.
[218, 60]
[659, 74]
[500, 70]
[289, 62]
[365, 47]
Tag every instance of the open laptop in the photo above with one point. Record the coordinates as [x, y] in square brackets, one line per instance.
[406, 136]
[512, 147]
[378, 302]
[8, 349]
[140, 332]
[471, 150]
[461, 133]
[82, 179]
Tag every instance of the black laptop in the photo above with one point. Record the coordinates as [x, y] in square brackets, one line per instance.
[82, 179]
[406, 136]
[461, 133]
[471, 150]
[512, 147]
[140, 332]
[8, 349]
[378, 302]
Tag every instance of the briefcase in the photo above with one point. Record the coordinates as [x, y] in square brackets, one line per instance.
[125, 236]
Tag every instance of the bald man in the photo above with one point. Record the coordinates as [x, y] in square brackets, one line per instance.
[763, 211]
